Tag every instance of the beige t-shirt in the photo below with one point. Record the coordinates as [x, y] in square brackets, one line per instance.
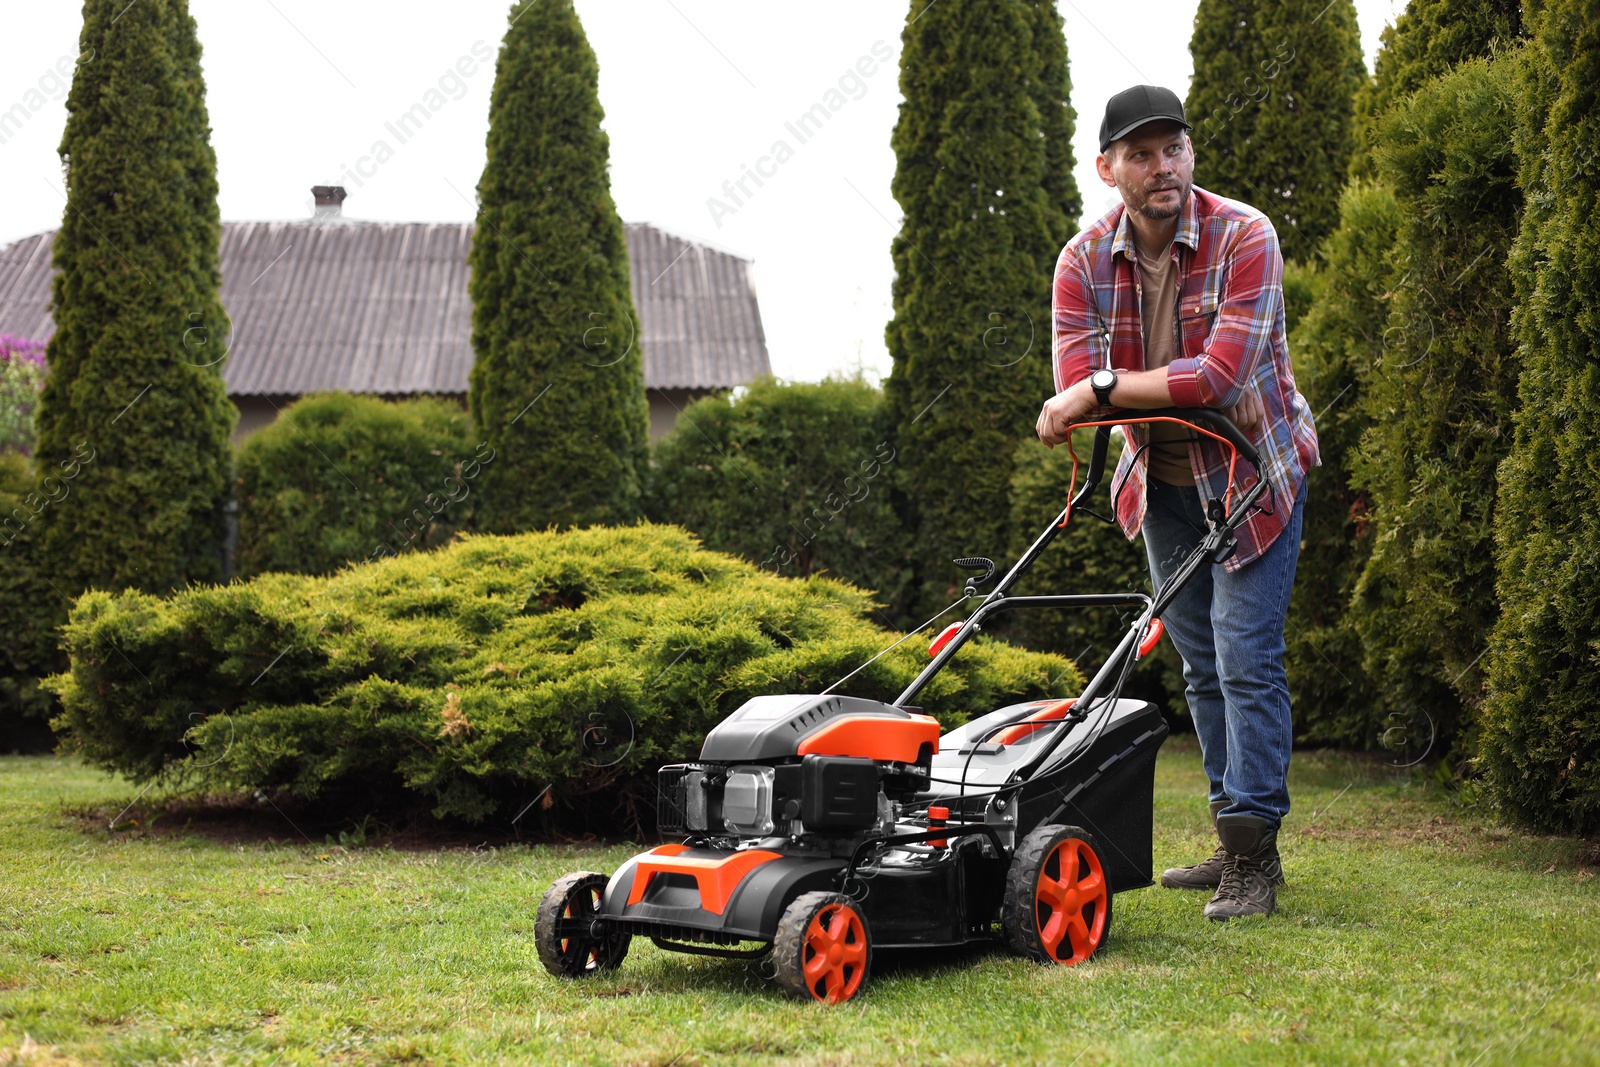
[1158, 307]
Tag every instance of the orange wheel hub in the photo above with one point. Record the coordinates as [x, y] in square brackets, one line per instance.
[579, 910]
[835, 956]
[1070, 903]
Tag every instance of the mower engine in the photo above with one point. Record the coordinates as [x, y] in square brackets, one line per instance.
[782, 767]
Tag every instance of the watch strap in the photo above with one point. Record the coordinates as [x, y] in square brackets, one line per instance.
[1102, 393]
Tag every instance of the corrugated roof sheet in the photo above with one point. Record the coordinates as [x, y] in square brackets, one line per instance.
[374, 307]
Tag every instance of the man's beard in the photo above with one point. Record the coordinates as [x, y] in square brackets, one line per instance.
[1159, 214]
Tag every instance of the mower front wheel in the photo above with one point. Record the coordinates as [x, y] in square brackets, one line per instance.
[567, 930]
[1058, 903]
[823, 950]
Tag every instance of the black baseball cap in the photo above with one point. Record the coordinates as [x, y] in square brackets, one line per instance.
[1132, 108]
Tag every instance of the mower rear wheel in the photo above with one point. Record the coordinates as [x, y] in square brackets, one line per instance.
[1058, 902]
[567, 931]
[823, 950]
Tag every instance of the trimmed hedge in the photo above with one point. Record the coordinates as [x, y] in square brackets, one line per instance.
[29, 611]
[22, 374]
[1303, 284]
[791, 476]
[1540, 741]
[339, 479]
[474, 676]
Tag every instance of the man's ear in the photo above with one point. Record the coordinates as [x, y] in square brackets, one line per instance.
[1103, 168]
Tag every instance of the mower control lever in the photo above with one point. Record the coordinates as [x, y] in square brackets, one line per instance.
[975, 563]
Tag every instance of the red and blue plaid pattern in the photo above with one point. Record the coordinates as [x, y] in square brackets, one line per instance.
[1230, 336]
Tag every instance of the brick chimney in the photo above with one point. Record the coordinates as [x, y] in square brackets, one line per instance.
[328, 199]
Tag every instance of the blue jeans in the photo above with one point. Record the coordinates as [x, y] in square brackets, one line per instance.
[1229, 630]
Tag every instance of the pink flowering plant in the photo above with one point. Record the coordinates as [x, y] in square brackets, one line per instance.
[22, 372]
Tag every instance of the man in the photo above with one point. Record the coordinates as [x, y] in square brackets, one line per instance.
[1176, 294]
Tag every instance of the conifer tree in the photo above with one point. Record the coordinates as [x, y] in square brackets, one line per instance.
[134, 409]
[1349, 344]
[1540, 739]
[1052, 96]
[1333, 347]
[557, 388]
[983, 178]
[1271, 103]
[1225, 93]
[1428, 39]
[1439, 400]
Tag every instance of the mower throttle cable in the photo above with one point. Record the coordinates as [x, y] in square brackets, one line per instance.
[908, 635]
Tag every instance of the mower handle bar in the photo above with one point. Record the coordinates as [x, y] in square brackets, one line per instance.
[1213, 421]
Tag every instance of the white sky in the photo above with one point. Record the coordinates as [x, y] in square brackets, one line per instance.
[694, 90]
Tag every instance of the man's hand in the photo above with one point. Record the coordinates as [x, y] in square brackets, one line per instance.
[1062, 410]
[1248, 413]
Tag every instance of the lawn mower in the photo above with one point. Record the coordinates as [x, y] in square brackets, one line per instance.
[820, 828]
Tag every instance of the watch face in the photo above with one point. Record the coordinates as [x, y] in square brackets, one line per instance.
[1103, 379]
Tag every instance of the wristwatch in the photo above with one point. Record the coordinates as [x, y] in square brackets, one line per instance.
[1102, 382]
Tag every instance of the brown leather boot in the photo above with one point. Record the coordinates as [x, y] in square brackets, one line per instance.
[1207, 874]
[1252, 870]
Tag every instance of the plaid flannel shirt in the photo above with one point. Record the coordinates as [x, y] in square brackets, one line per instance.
[1230, 338]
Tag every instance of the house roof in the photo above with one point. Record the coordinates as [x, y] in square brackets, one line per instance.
[377, 307]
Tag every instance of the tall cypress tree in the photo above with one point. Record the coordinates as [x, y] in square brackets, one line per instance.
[557, 389]
[983, 178]
[1428, 39]
[1052, 96]
[1439, 401]
[134, 406]
[1225, 93]
[1271, 104]
[1540, 741]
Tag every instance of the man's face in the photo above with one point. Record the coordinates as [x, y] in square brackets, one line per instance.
[1152, 167]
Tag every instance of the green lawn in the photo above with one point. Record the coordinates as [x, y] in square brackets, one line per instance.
[1410, 932]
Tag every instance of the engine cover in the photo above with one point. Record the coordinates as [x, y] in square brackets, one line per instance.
[790, 726]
